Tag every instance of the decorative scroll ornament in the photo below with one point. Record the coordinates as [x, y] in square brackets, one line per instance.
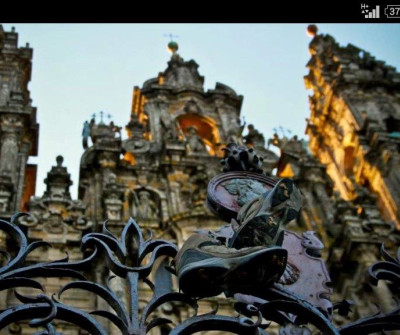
[295, 314]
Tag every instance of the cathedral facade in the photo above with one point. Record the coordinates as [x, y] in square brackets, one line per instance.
[349, 174]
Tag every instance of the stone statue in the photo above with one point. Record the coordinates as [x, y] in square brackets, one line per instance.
[254, 137]
[195, 142]
[248, 253]
[280, 142]
[85, 134]
[115, 129]
[294, 145]
[168, 124]
[145, 207]
[135, 144]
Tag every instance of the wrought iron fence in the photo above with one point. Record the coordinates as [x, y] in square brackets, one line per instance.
[255, 313]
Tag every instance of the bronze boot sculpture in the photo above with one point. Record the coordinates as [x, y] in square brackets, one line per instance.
[248, 253]
[206, 267]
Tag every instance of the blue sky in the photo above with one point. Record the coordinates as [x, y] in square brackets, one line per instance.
[79, 69]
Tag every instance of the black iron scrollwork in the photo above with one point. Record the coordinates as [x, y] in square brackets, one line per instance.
[388, 269]
[125, 258]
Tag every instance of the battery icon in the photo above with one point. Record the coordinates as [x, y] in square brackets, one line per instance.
[392, 11]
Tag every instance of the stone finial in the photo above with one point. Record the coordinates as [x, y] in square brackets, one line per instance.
[59, 160]
[312, 30]
[173, 47]
[254, 137]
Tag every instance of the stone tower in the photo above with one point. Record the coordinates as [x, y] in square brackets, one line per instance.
[354, 132]
[354, 125]
[18, 126]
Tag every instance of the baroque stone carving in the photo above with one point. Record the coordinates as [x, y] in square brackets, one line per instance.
[182, 73]
[144, 206]
[169, 124]
[113, 198]
[56, 213]
[254, 137]
[195, 142]
[9, 155]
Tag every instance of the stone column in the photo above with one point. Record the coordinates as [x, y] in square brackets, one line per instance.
[11, 127]
[23, 159]
[9, 155]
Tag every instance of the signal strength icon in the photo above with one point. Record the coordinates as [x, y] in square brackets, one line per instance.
[370, 13]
